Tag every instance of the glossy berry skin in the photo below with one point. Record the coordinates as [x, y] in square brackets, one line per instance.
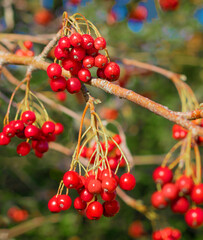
[54, 71]
[111, 208]
[58, 85]
[113, 163]
[92, 52]
[127, 181]
[75, 39]
[100, 73]
[170, 191]
[180, 205]
[79, 204]
[28, 117]
[48, 128]
[158, 200]
[179, 132]
[4, 140]
[84, 75]
[87, 41]
[23, 149]
[71, 179]
[197, 194]
[94, 186]
[28, 44]
[60, 54]
[185, 184]
[64, 43]
[32, 132]
[64, 202]
[100, 61]
[86, 196]
[59, 128]
[73, 85]
[42, 146]
[194, 217]
[53, 206]
[94, 210]
[72, 66]
[112, 71]
[77, 54]
[108, 196]
[100, 43]
[88, 62]
[18, 126]
[162, 175]
[9, 131]
[109, 184]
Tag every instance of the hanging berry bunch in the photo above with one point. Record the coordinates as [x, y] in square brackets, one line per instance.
[77, 51]
[95, 180]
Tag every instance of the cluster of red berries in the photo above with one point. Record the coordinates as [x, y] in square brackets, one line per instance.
[27, 51]
[79, 53]
[114, 155]
[89, 188]
[17, 215]
[169, 5]
[167, 233]
[25, 129]
[179, 132]
[175, 193]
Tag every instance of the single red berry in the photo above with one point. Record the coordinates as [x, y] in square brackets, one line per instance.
[58, 85]
[73, 85]
[75, 39]
[117, 139]
[94, 210]
[64, 43]
[38, 154]
[157, 235]
[64, 202]
[30, 53]
[59, 128]
[113, 163]
[100, 61]
[77, 54]
[9, 130]
[92, 52]
[54, 71]
[158, 200]
[170, 191]
[83, 152]
[111, 208]
[197, 194]
[60, 54]
[28, 44]
[72, 66]
[108, 196]
[79, 204]
[4, 140]
[18, 126]
[84, 75]
[20, 135]
[61, 96]
[48, 128]
[109, 184]
[122, 163]
[176, 234]
[20, 52]
[88, 179]
[136, 229]
[100, 73]
[87, 41]
[53, 206]
[88, 62]
[32, 132]
[94, 186]
[86, 196]
[139, 13]
[185, 184]
[112, 71]
[162, 175]
[105, 173]
[169, 5]
[71, 179]
[23, 148]
[100, 43]
[180, 205]
[42, 146]
[127, 181]
[194, 217]
[81, 182]
[28, 117]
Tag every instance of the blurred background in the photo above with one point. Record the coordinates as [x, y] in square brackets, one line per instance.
[172, 39]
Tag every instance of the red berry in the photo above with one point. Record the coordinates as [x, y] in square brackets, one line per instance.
[18, 126]
[64, 202]
[60, 54]
[38, 154]
[28, 44]
[85, 195]
[197, 194]
[42, 146]
[105, 173]
[23, 148]
[32, 132]
[83, 152]
[157, 235]
[113, 163]
[61, 96]
[87, 41]
[117, 139]
[71, 179]
[79, 204]
[185, 184]
[176, 234]
[139, 13]
[72, 66]
[77, 54]
[136, 229]
[100, 73]
[53, 206]
[100, 61]
[112, 71]
[194, 217]
[111, 208]
[4, 140]
[94, 210]
[28, 117]
[109, 184]
[158, 200]
[162, 175]
[88, 62]
[84, 75]
[64, 43]
[48, 128]
[94, 186]
[9, 131]
[108, 196]
[59, 128]
[58, 85]
[180, 205]
[54, 71]
[73, 85]
[92, 52]
[169, 5]
[127, 181]
[170, 191]
[100, 43]
[75, 39]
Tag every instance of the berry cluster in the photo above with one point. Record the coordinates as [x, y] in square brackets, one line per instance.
[169, 5]
[27, 49]
[175, 193]
[167, 233]
[17, 215]
[25, 128]
[78, 54]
